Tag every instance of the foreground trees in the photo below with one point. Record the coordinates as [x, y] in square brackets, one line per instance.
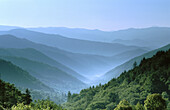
[155, 102]
[38, 105]
[13, 99]
[10, 95]
[123, 105]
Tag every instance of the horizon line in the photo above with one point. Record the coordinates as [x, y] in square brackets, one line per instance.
[91, 29]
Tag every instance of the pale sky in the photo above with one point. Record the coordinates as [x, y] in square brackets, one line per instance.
[90, 14]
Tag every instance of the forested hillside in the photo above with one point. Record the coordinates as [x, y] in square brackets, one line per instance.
[115, 72]
[22, 79]
[13, 99]
[151, 76]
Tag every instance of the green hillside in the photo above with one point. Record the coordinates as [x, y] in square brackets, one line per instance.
[114, 73]
[151, 76]
[14, 74]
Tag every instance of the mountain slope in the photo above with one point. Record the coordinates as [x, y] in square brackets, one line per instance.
[129, 64]
[76, 33]
[72, 45]
[32, 54]
[151, 76]
[153, 37]
[51, 76]
[14, 74]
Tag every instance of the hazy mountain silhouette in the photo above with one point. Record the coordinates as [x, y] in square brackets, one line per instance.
[72, 45]
[87, 65]
[21, 78]
[32, 54]
[156, 36]
[51, 76]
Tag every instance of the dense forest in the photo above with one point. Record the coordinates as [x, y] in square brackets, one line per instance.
[131, 88]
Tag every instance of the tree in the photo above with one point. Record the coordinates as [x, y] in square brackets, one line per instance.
[123, 105]
[134, 64]
[28, 99]
[69, 96]
[155, 102]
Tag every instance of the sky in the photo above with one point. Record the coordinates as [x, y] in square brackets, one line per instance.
[90, 14]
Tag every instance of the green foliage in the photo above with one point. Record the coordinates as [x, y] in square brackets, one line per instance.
[123, 105]
[21, 106]
[38, 105]
[139, 106]
[151, 76]
[45, 105]
[10, 95]
[111, 106]
[155, 102]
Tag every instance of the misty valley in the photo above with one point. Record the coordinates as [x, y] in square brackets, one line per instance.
[59, 68]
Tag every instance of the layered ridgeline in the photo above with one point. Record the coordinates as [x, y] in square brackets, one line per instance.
[13, 99]
[34, 55]
[72, 45]
[152, 37]
[47, 70]
[84, 64]
[151, 76]
[22, 79]
[51, 76]
[114, 73]
[89, 58]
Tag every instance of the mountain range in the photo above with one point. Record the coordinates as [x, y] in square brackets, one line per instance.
[85, 64]
[152, 37]
[72, 60]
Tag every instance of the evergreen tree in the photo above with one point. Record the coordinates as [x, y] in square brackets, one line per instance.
[69, 96]
[155, 102]
[134, 64]
[28, 99]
